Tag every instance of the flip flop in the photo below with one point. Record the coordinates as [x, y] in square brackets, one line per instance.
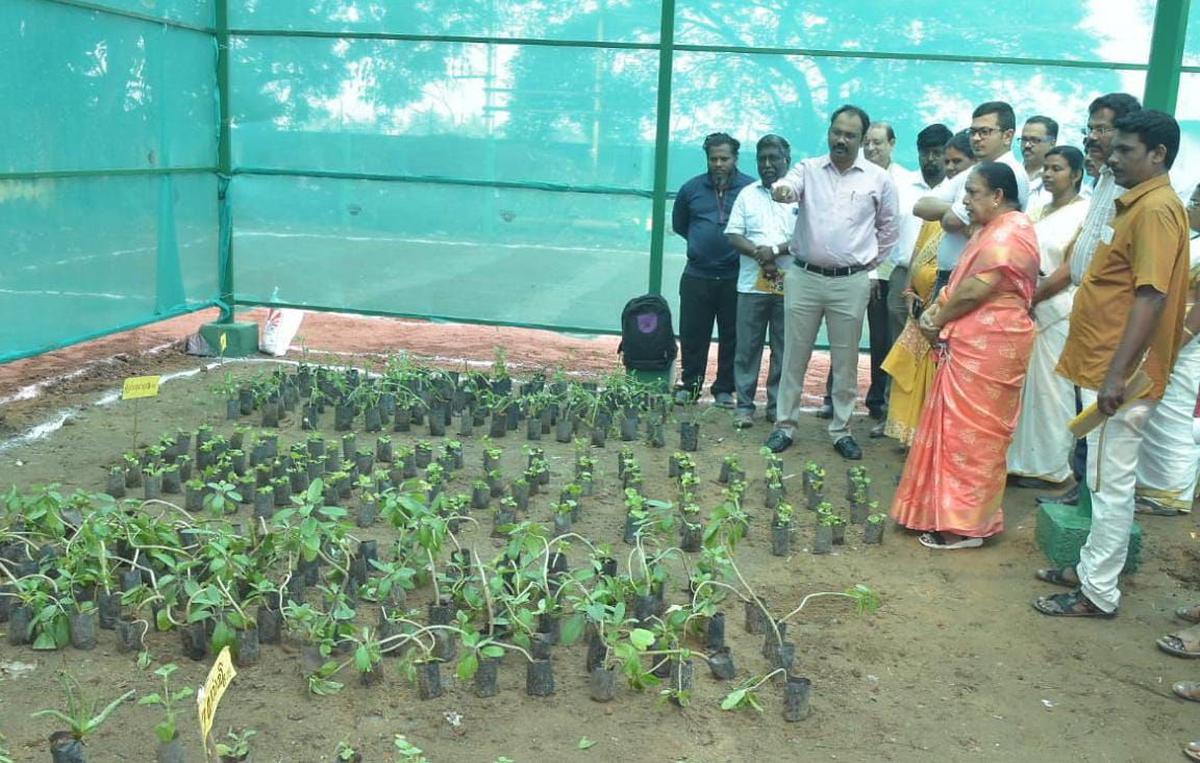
[1073, 604]
[1190, 613]
[1189, 690]
[935, 541]
[1192, 750]
[1173, 645]
[1058, 576]
[1152, 508]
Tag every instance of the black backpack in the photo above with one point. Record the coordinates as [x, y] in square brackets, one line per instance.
[647, 336]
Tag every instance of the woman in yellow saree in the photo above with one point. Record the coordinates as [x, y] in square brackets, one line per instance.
[910, 363]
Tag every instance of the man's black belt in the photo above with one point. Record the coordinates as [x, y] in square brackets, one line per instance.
[849, 270]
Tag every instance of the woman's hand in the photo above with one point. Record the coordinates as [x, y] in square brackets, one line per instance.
[926, 324]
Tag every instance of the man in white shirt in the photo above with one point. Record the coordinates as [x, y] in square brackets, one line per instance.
[931, 153]
[759, 229]
[993, 125]
[1039, 135]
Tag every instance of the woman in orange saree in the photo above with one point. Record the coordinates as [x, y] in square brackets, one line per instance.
[953, 481]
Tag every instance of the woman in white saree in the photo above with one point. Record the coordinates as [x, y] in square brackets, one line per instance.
[1041, 448]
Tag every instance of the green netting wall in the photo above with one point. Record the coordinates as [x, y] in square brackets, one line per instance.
[108, 191]
[477, 160]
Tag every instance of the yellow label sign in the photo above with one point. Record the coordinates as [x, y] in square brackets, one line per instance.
[224, 342]
[140, 386]
[210, 694]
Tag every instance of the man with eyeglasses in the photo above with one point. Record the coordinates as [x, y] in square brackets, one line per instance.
[847, 225]
[993, 125]
[1097, 143]
[887, 310]
[1038, 136]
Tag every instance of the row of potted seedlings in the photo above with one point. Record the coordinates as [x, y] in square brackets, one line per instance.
[405, 396]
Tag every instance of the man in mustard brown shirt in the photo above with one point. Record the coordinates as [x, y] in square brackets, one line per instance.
[1129, 307]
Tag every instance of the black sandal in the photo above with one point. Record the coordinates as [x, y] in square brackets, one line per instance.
[1058, 576]
[1073, 604]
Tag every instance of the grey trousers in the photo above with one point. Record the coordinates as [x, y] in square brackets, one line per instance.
[841, 303]
[756, 313]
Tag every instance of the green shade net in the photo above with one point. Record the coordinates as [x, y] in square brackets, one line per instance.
[502, 178]
[101, 233]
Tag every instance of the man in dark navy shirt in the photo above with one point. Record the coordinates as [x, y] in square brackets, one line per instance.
[708, 287]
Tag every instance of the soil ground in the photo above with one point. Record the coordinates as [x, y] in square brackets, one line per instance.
[955, 665]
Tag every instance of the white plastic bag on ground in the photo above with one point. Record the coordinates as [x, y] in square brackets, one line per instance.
[279, 330]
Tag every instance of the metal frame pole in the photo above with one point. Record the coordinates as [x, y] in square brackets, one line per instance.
[1166, 55]
[224, 167]
[662, 143]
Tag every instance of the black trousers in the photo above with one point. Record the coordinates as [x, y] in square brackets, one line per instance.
[701, 301]
[880, 330]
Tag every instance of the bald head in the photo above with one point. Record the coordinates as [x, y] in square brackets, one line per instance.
[880, 143]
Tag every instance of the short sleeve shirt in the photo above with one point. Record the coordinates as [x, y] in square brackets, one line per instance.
[763, 222]
[1146, 245]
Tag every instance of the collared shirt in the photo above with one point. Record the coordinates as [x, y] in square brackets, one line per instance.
[910, 188]
[1100, 213]
[763, 222]
[954, 192]
[1039, 196]
[846, 218]
[700, 215]
[1147, 245]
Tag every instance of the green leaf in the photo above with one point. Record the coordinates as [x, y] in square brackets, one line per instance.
[467, 666]
[641, 638]
[44, 642]
[491, 650]
[585, 743]
[362, 659]
[572, 629]
[222, 637]
[733, 699]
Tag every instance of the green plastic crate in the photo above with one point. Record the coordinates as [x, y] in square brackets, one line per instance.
[1062, 530]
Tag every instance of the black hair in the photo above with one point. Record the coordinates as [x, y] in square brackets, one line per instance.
[1004, 114]
[1074, 159]
[999, 177]
[856, 111]
[778, 141]
[1154, 128]
[721, 139]
[1050, 125]
[934, 136]
[888, 127]
[1119, 104]
[961, 142]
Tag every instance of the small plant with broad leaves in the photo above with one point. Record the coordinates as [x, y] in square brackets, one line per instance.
[167, 729]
